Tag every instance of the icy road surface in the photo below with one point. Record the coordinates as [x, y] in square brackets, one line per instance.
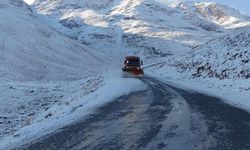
[161, 117]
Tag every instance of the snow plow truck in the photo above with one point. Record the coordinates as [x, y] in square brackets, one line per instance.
[132, 67]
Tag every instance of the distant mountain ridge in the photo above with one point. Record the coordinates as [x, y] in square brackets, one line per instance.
[220, 14]
[142, 27]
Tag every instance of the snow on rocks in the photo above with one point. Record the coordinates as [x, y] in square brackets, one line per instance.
[227, 57]
[26, 103]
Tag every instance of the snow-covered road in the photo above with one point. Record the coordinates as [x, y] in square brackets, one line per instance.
[161, 117]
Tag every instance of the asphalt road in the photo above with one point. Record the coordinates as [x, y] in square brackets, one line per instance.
[161, 117]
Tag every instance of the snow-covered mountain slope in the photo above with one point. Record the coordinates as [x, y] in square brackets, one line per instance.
[144, 27]
[220, 14]
[30, 50]
[227, 57]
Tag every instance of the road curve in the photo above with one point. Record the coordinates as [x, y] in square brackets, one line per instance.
[161, 117]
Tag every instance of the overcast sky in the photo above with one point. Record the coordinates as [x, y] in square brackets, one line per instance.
[242, 5]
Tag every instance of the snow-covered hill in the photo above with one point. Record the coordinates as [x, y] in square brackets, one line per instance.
[143, 27]
[32, 51]
[226, 57]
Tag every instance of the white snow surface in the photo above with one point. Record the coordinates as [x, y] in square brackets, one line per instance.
[37, 109]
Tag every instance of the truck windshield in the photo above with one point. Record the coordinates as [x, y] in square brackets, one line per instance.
[133, 62]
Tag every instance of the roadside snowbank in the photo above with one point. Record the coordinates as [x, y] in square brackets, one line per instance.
[234, 92]
[34, 110]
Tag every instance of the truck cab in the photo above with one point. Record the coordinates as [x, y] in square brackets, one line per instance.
[132, 66]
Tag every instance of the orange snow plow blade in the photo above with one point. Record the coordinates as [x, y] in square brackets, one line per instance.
[133, 73]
